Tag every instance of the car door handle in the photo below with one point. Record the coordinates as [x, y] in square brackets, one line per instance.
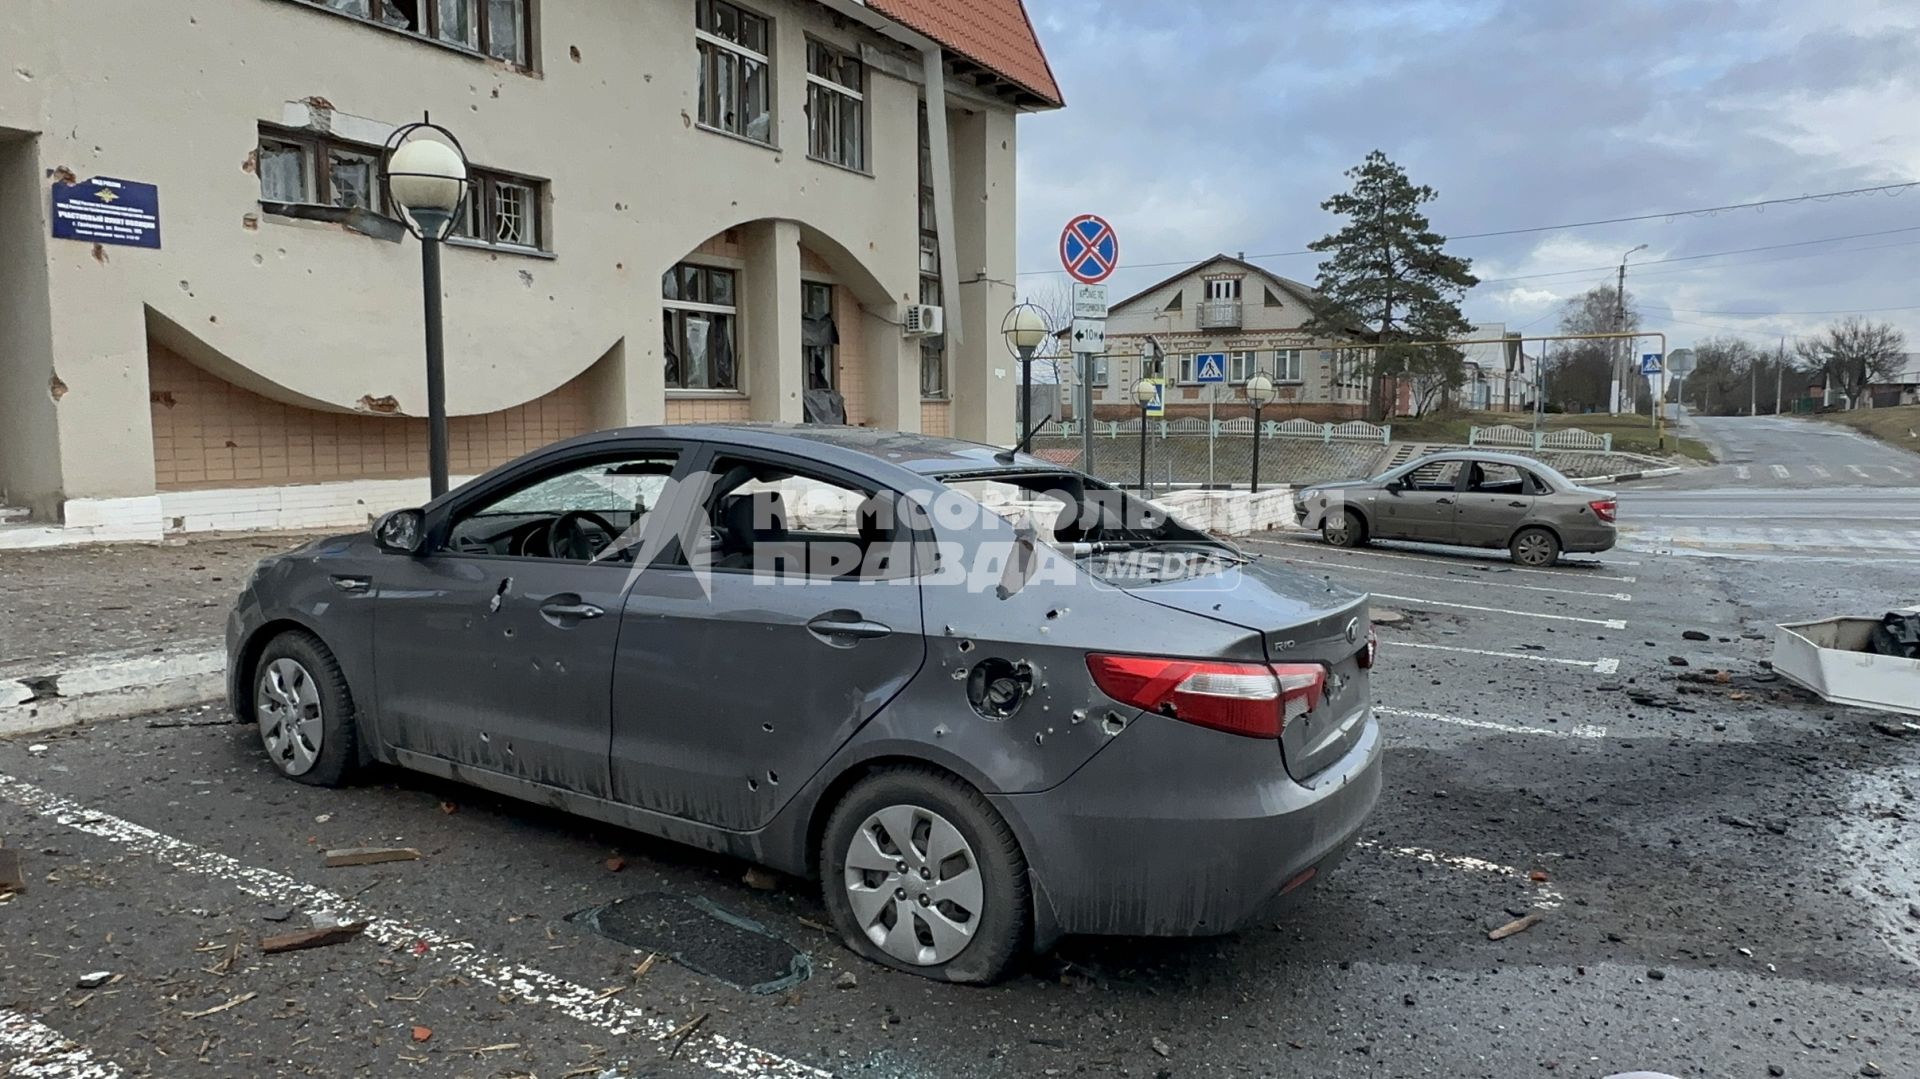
[847, 626]
[351, 583]
[571, 610]
[1518, 505]
[1443, 501]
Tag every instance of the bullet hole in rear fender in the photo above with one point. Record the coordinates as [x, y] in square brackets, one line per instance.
[1114, 723]
[997, 687]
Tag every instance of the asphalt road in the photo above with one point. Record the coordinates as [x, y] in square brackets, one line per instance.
[1728, 868]
[1773, 452]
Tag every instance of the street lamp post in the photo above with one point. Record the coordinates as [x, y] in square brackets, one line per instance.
[425, 174]
[1145, 392]
[1260, 393]
[1024, 328]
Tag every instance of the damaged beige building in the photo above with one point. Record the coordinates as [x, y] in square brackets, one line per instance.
[683, 210]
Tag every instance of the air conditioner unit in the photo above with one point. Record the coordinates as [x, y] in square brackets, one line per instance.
[923, 320]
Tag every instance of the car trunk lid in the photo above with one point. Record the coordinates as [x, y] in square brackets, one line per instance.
[1300, 619]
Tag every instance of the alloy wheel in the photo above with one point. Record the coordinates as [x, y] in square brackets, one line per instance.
[287, 705]
[914, 885]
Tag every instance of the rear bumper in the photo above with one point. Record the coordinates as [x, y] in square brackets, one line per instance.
[1588, 540]
[1181, 831]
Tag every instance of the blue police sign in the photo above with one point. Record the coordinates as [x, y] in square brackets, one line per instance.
[104, 210]
[1210, 367]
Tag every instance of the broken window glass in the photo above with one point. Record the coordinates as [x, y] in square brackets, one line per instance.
[351, 179]
[507, 31]
[735, 83]
[402, 15]
[351, 7]
[459, 23]
[283, 172]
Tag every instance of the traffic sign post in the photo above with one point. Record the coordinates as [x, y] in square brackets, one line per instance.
[1090, 250]
[1653, 366]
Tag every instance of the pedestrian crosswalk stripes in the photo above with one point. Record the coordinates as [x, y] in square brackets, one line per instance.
[1771, 538]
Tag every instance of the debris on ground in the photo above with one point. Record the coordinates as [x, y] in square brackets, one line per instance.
[760, 879]
[12, 876]
[93, 979]
[1382, 617]
[1739, 822]
[317, 937]
[449, 808]
[1161, 1048]
[421, 1034]
[37, 748]
[1677, 661]
[218, 1008]
[1696, 635]
[846, 980]
[1518, 925]
[615, 864]
[1889, 727]
[346, 856]
[680, 1034]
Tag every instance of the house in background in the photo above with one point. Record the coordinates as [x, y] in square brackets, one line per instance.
[682, 210]
[1224, 305]
[1903, 388]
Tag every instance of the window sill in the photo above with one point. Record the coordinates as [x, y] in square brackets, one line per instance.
[680, 394]
[419, 39]
[747, 139]
[838, 165]
[499, 249]
[935, 400]
[351, 218]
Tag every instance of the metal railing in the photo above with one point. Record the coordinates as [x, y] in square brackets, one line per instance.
[1217, 315]
[1506, 434]
[1350, 431]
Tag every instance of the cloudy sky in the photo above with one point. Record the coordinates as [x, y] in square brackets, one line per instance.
[1220, 125]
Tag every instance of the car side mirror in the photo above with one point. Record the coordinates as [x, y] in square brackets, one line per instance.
[401, 531]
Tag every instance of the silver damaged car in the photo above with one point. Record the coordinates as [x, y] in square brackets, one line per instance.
[984, 700]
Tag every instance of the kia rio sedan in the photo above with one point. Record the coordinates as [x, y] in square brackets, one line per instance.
[985, 701]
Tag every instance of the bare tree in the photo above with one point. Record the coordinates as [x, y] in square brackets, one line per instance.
[1583, 370]
[1853, 353]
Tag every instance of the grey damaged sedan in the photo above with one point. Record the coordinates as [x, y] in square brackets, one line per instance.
[984, 700]
[1466, 498]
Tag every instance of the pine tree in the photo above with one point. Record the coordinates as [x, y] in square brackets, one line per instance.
[1387, 278]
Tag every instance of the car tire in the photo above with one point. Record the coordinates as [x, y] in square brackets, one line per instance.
[915, 798]
[1350, 531]
[1535, 547]
[304, 710]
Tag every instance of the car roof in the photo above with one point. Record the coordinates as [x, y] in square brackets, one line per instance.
[923, 455]
[1515, 459]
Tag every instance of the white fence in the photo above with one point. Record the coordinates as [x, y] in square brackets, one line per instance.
[1350, 431]
[1506, 434]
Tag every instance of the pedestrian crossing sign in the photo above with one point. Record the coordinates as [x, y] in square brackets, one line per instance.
[1158, 406]
[1210, 367]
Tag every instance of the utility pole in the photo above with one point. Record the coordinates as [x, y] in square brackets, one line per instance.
[1623, 355]
[1753, 390]
[1779, 376]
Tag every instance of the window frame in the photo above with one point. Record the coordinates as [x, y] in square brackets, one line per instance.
[1241, 364]
[831, 87]
[684, 306]
[719, 459]
[482, 197]
[810, 286]
[317, 151]
[1288, 358]
[933, 350]
[429, 29]
[705, 40]
[532, 474]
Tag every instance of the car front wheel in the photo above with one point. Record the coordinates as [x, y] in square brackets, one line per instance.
[920, 874]
[1345, 530]
[1535, 547]
[304, 711]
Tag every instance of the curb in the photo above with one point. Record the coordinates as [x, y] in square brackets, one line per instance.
[114, 685]
[1648, 474]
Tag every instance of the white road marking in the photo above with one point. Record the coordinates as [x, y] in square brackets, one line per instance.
[1544, 897]
[1576, 730]
[1858, 471]
[1610, 623]
[618, 1019]
[1622, 596]
[29, 1048]
[1780, 471]
[1598, 666]
[1898, 471]
[1821, 473]
[1458, 561]
[1742, 472]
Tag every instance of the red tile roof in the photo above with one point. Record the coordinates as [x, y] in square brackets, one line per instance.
[996, 34]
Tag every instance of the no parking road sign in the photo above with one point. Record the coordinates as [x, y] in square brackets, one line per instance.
[1089, 249]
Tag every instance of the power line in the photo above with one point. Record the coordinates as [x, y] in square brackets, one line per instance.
[1708, 255]
[1705, 211]
[1776, 314]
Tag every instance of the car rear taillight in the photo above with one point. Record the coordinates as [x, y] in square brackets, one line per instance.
[1251, 699]
[1604, 508]
[1371, 650]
